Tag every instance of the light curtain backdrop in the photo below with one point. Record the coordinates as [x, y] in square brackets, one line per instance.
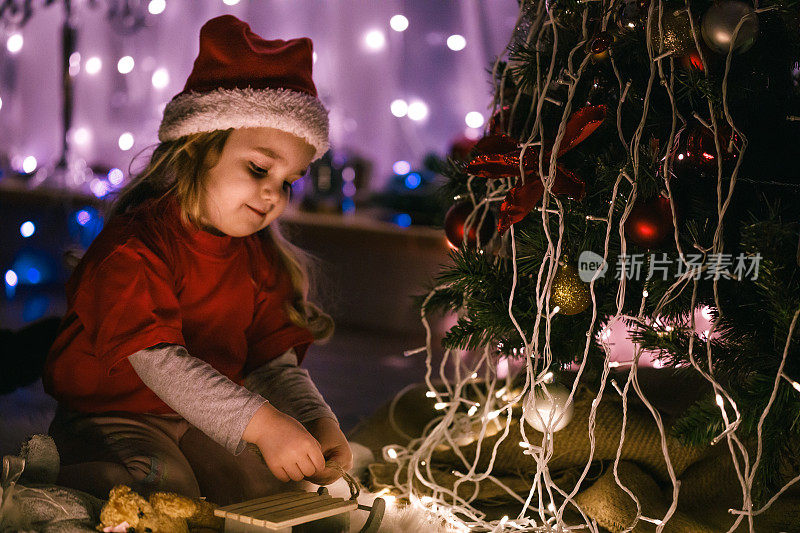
[356, 83]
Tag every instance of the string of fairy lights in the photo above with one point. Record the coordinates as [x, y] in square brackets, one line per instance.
[546, 407]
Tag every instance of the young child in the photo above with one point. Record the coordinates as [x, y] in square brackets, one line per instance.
[187, 317]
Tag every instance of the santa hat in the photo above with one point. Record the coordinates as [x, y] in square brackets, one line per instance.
[240, 80]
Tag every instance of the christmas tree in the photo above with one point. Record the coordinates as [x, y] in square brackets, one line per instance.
[638, 167]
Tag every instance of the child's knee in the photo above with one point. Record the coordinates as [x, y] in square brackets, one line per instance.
[154, 473]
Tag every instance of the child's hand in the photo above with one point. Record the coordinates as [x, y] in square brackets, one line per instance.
[334, 447]
[291, 453]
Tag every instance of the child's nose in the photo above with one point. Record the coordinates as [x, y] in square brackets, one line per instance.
[270, 190]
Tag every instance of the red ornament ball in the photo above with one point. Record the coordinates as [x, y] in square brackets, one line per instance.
[695, 154]
[455, 220]
[601, 43]
[649, 223]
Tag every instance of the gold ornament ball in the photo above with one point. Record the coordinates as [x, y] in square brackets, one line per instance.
[568, 292]
[677, 32]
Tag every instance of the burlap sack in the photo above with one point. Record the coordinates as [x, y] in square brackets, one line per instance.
[709, 486]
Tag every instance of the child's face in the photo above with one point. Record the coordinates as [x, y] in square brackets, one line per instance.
[249, 186]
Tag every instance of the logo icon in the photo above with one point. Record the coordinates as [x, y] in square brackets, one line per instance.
[591, 265]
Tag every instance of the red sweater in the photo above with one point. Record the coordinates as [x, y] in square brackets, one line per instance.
[148, 279]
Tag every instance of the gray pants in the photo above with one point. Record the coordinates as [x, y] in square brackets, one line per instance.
[153, 453]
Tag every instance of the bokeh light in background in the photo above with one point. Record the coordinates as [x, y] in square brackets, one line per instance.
[456, 42]
[29, 164]
[14, 43]
[82, 136]
[27, 229]
[156, 7]
[398, 23]
[413, 180]
[401, 167]
[160, 78]
[399, 108]
[116, 177]
[125, 141]
[94, 65]
[474, 119]
[375, 40]
[125, 64]
[417, 110]
[402, 219]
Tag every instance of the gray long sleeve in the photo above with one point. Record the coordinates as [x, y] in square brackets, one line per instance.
[198, 392]
[289, 389]
[216, 405]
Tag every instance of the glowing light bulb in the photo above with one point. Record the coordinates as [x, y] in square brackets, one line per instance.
[399, 108]
[1, 103]
[83, 217]
[456, 42]
[439, 405]
[160, 78]
[392, 453]
[156, 7]
[375, 40]
[14, 43]
[29, 164]
[27, 229]
[720, 401]
[474, 119]
[125, 141]
[472, 410]
[430, 394]
[230, 2]
[398, 23]
[125, 64]
[417, 110]
[93, 65]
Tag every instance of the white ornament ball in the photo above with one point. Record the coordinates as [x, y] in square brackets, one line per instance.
[721, 20]
[543, 409]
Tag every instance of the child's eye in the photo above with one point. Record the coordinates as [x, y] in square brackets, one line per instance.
[255, 169]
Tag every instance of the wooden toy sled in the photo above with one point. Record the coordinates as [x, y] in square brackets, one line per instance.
[297, 511]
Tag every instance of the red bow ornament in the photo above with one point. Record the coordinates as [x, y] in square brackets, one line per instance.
[499, 157]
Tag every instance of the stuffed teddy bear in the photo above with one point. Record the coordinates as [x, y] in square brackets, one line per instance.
[164, 512]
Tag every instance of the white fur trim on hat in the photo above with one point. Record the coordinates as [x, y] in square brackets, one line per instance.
[291, 111]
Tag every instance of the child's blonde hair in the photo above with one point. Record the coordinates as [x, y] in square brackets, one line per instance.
[180, 167]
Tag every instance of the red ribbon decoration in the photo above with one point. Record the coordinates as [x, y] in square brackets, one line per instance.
[499, 157]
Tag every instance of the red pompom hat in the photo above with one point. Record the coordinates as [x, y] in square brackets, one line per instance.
[240, 80]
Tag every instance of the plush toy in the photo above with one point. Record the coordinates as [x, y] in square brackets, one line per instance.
[164, 512]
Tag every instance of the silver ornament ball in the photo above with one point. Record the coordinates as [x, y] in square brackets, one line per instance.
[721, 20]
